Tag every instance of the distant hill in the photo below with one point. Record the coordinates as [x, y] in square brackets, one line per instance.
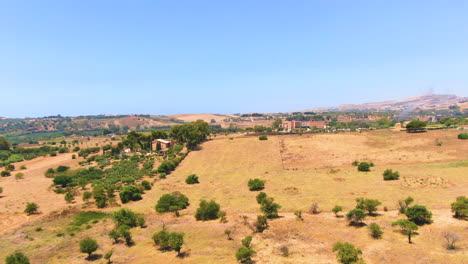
[430, 101]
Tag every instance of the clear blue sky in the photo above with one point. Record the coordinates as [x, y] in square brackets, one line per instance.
[164, 57]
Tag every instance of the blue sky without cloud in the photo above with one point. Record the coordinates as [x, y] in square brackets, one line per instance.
[166, 57]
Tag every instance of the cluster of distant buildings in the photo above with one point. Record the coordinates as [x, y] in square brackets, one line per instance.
[295, 124]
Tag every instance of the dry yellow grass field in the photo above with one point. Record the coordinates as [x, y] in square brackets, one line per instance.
[298, 170]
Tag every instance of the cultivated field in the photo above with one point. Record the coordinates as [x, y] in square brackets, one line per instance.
[298, 170]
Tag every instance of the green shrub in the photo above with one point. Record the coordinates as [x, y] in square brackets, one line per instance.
[130, 193]
[192, 179]
[62, 168]
[347, 253]
[256, 184]
[390, 175]
[17, 258]
[128, 217]
[5, 173]
[31, 208]
[263, 138]
[364, 166]
[268, 206]
[369, 205]
[356, 216]
[169, 240]
[337, 209]
[261, 224]
[207, 210]
[244, 255]
[173, 202]
[63, 180]
[10, 167]
[88, 246]
[460, 207]
[146, 185]
[463, 136]
[419, 214]
[375, 231]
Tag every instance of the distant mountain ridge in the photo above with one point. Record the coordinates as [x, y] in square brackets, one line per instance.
[429, 101]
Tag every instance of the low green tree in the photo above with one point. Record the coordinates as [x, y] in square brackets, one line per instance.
[375, 231]
[244, 255]
[173, 202]
[31, 208]
[130, 193]
[88, 246]
[363, 166]
[416, 126]
[128, 217]
[337, 209]
[390, 175]
[368, 205]
[261, 224]
[192, 179]
[108, 256]
[356, 216]
[419, 214]
[407, 227]
[69, 197]
[228, 233]
[87, 196]
[207, 210]
[460, 207]
[268, 206]
[347, 253]
[17, 258]
[256, 185]
[404, 204]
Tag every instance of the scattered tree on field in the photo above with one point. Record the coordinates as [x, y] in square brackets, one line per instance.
[337, 209]
[419, 214]
[88, 246]
[192, 179]
[228, 233]
[173, 202]
[207, 210]
[256, 184]
[390, 175]
[356, 216]
[407, 227]
[460, 207]
[347, 253]
[31, 208]
[368, 205]
[17, 258]
[404, 204]
[375, 231]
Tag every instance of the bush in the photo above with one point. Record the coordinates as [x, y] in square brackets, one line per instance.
[63, 180]
[261, 224]
[31, 208]
[88, 245]
[256, 184]
[122, 231]
[17, 258]
[146, 185]
[347, 253]
[244, 255]
[261, 197]
[364, 166]
[62, 168]
[460, 207]
[375, 231]
[192, 179]
[130, 193]
[404, 204]
[87, 196]
[207, 211]
[416, 126]
[69, 197]
[263, 138]
[19, 175]
[169, 240]
[173, 202]
[162, 175]
[10, 167]
[463, 136]
[356, 216]
[369, 205]
[22, 167]
[268, 206]
[451, 239]
[337, 209]
[5, 173]
[390, 175]
[128, 217]
[419, 214]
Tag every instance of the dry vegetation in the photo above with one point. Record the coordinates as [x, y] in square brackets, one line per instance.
[298, 170]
